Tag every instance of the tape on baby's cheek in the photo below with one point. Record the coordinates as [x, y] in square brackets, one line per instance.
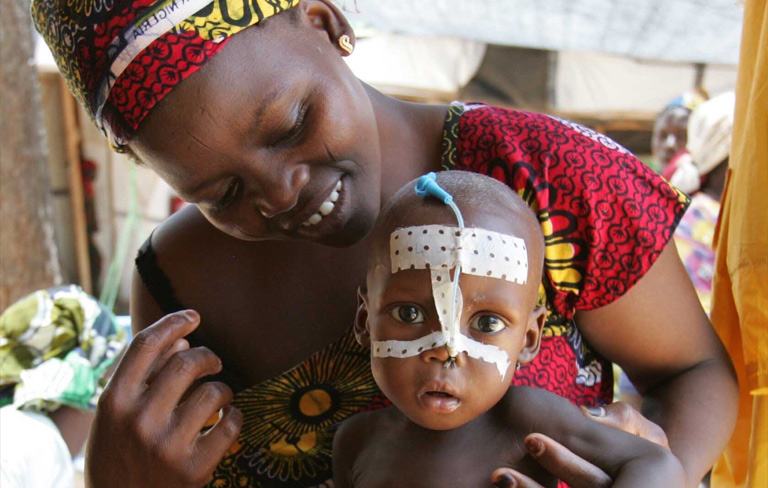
[440, 249]
[474, 349]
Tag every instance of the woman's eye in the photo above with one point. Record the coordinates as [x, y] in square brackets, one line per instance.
[409, 314]
[296, 129]
[487, 324]
[229, 196]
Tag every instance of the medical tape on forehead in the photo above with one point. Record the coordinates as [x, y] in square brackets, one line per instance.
[481, 252]
[473, 251]
[405, 349]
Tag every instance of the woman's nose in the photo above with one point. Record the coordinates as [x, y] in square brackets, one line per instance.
[280, 186]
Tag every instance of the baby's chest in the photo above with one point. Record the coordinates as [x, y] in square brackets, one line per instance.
[465, 466]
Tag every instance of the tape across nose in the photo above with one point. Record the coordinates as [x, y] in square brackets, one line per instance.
[435, 344]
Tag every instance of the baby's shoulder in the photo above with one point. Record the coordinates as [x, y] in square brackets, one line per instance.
[532, 399]
[354, 433]
[535, 410]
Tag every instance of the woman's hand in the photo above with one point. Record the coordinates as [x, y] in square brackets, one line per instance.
[622, 416]
[148, 419]
[570, 468]
[558, 461]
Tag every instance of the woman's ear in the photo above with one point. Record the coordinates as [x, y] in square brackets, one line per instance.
[533, 334]
[323, 15]
[362, 331]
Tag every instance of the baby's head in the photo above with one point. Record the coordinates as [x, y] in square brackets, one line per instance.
[437, 379]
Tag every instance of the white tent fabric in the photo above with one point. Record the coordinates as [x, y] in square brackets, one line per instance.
[415, 65]
[705, 31]
[593, 83]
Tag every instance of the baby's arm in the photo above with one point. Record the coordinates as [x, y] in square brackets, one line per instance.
[343, 456]
[630, 460]
[347, 444]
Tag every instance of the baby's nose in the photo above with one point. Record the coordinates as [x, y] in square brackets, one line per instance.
[439, 354]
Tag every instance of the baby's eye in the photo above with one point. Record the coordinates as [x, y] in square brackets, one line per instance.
[487, 324]
[409, 314]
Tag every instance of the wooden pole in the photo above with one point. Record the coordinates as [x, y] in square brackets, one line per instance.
[28, 254]
[76, 195]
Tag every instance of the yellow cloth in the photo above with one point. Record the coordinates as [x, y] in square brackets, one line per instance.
[740, 300]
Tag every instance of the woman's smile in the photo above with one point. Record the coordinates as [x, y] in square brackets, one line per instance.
[326, 208]
[329, 215]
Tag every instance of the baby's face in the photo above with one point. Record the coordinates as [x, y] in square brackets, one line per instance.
[495, 312]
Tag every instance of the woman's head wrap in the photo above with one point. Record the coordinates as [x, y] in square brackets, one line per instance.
[56, 346]
[121, 57]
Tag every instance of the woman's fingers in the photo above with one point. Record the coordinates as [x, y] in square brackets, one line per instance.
[178, 346]
[146, 348]
[140, 422]
[509, 478]
[622, 416]
[564, 464]
[214, 444]
[558, 461]
[202, 403]
[177, 376]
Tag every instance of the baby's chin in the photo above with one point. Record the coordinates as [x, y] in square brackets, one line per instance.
[435, 422]
[438, 414]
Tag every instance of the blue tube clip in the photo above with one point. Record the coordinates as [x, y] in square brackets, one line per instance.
[426, 185]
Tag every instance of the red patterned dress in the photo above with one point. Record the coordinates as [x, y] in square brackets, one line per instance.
[606, 217]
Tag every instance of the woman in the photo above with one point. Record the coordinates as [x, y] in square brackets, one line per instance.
[281, 148]
[670, 130]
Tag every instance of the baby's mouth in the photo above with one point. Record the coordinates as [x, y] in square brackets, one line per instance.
[441, 394]
[438, 400]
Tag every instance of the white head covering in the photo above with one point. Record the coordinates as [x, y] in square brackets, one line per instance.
[686, 177]
[709, 132]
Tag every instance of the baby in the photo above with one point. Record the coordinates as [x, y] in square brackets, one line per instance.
[450, 312]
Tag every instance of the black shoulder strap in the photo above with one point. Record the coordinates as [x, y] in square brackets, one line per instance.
[159, 286]
[155, 280]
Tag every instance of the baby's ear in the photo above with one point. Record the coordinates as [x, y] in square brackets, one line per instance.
[362, 332]
[533, 334]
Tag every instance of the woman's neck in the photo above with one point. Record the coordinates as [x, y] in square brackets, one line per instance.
[410, 136]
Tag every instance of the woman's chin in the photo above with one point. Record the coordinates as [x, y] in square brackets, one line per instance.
[354, 232]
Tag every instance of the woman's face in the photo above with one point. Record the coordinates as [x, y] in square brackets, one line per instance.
[273, 139]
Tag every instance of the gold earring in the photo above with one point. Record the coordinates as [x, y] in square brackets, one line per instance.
[345, 44]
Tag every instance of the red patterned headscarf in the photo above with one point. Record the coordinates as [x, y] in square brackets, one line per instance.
[121, 57]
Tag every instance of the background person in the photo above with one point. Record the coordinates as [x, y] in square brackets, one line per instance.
[56, 348]
[701, 173]
[670, 130]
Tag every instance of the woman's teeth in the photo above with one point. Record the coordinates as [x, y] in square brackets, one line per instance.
[326, 207]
